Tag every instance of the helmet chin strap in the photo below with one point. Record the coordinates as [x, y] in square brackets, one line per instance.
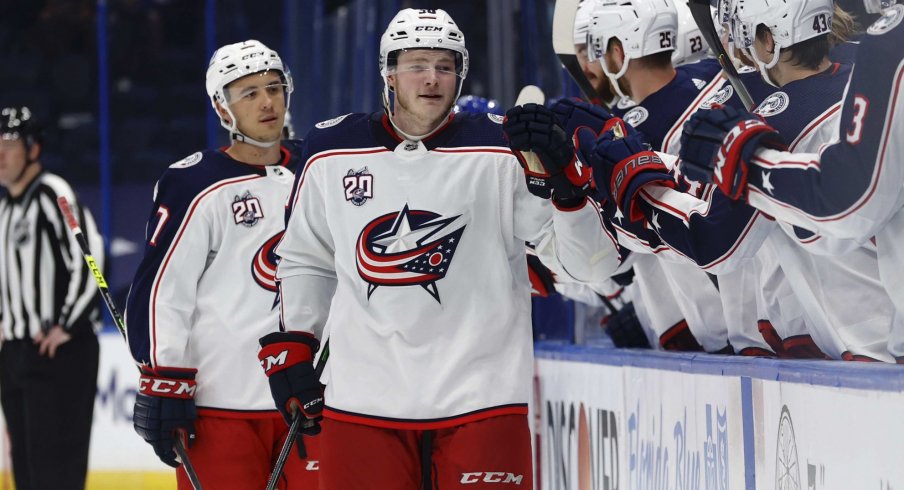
[614, 77]
[236, 135]
[387, 107]
[764, 67]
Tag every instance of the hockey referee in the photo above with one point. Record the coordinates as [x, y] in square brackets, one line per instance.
[49, 312]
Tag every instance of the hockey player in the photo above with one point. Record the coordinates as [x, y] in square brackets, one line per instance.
[795, 57]
[633, 42]
[851, 189]
[405, 246]
[205, 290]
[593, 71]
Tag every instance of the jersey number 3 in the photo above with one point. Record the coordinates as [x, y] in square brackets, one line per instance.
[861, 106]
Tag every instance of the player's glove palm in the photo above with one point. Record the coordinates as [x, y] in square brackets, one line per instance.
[717, 145]
[620, 158]
[165, 409]
[287, 359]
[547, 155]
[572, 113]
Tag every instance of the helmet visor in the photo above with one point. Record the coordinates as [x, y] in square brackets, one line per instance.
[423, 61]
[250, 93]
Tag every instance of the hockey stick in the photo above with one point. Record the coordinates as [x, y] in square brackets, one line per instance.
[700, 10]
[79, 236]
[296, 423]
[563, 45]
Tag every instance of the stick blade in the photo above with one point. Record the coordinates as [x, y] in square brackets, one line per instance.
[530, 94]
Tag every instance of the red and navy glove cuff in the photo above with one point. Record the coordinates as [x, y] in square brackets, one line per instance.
[168, 382]
[281, 350]
[633, 173]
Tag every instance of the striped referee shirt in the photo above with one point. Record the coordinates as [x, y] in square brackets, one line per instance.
[44, 280]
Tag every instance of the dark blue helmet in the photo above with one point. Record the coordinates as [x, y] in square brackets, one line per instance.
[477, 105]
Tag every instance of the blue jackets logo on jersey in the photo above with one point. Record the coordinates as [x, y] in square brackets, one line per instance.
[247, 210]
[719, 97]
[359, 186]
[636, 116]
[263, 266]
[408, 248]
[891, 17]
[774, 104]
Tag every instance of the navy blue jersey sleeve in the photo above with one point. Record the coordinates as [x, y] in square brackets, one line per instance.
[851, 188]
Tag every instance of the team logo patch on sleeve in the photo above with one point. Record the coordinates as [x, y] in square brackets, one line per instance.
[188, 161]
[719, 97]
[408, 248]
[636, 116]
[358, 185]
[891, 17]
[774, 104]
[330, 122]
[247, 210]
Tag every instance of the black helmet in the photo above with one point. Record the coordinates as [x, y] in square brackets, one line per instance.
[20, 123]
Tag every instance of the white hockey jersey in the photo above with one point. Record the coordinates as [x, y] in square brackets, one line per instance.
[205, 291]
[430, 324]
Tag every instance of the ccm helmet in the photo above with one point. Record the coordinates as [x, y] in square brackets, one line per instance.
[421, 29]
[234, 61]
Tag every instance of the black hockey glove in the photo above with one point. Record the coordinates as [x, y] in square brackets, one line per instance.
[547, 155]
[572, 113]
[622, 161]
[165, 409]
[287, 359]
[625, 330]
[717, 145]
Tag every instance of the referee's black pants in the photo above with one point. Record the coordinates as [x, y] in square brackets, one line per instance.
[48, 405]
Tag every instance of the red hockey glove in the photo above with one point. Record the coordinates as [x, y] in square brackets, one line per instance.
[547, 156]
[717, 145]
[620, 157]
[165, 407]
[287, 359]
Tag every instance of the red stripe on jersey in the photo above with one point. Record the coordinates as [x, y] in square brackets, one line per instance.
[813, 125]
[432, 424]
[504, 151]
[695, 105]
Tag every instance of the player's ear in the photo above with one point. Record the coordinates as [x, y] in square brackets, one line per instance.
[390, 82]
[223, 113]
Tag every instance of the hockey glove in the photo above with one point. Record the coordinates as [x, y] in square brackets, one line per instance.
[547, 156]
[717, 145]
[572, 113]
[622, 160]
[287, 359]
[625, 330]
[165, 407]
[542, 280]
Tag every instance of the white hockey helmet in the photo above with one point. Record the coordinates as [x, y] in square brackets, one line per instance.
[234, 61]
[421, 29]
[644, 27]
[690, 46]
[790, 21]
[582, 19]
